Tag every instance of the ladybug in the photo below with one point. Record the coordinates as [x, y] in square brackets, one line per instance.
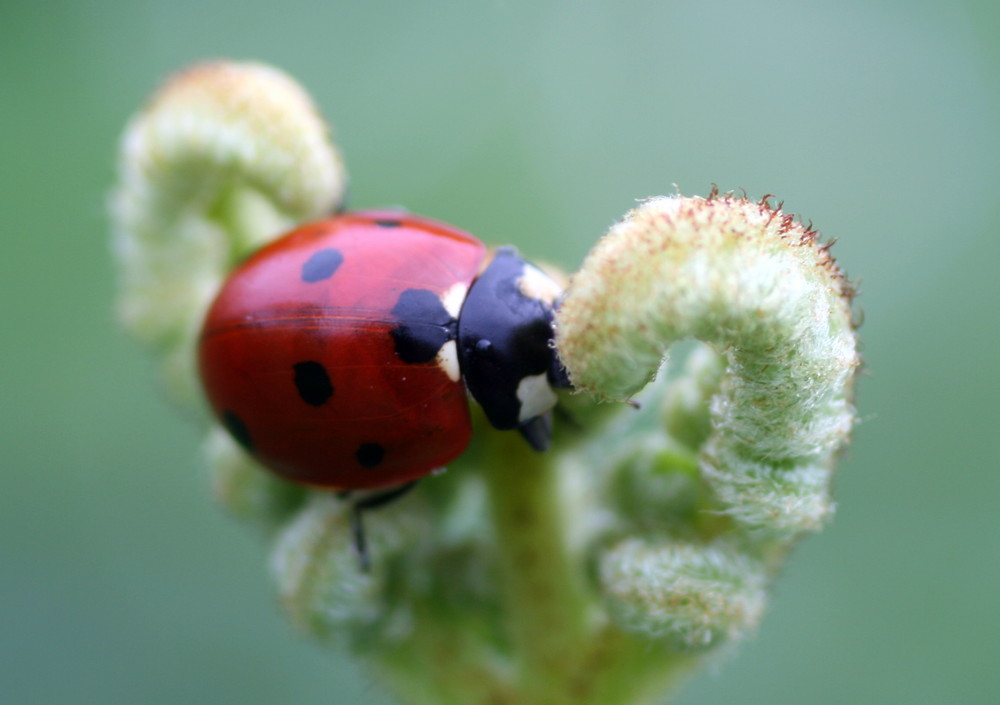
[342, 355]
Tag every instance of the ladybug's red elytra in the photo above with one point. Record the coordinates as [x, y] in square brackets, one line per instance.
[342, 354]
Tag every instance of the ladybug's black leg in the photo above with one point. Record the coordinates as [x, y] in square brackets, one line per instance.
[537, 431]
[367, 503]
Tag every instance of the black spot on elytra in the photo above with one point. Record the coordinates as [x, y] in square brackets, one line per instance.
[388, 222]
[237, 429]
[313, 382]
[321, 265]
[370, 454]
[424, 326]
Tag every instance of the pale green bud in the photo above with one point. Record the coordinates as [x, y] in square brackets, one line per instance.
[758, 287]
[225, 157]
[693, 595]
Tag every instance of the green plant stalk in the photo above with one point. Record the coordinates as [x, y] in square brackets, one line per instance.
[444, 666]
[566, 651]
[623, 669]
[547, 611]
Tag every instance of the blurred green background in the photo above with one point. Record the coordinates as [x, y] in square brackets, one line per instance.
[536, 123]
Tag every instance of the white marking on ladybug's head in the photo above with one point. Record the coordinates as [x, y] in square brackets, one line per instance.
[447, 360]
[535, 395]
[453, 298]
[536, 284]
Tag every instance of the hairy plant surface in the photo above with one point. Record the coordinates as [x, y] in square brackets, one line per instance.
[599, 572]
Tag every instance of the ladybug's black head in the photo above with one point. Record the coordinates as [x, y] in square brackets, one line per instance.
[505, 346]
